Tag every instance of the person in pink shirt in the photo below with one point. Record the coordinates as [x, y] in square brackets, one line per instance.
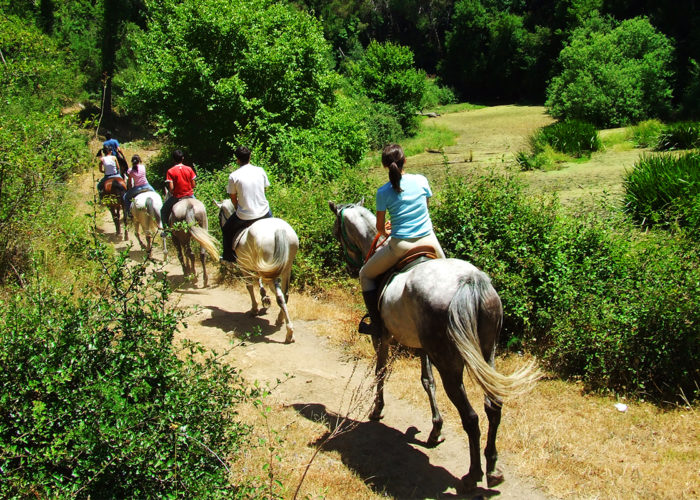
[179, 182]
[136, 182]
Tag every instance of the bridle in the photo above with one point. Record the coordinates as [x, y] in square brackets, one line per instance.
[349, 246]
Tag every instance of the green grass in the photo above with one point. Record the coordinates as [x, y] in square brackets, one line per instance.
[456, 108]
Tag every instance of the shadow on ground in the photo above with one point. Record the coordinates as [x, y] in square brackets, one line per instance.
[384, 458]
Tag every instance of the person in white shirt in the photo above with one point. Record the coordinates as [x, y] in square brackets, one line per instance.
[246, 187]
[108, 166]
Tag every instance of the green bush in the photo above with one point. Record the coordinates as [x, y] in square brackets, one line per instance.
[682, 135]
[436, 95]
[99, 402]
[612, 76]
[385, 74]
[572, 137]
[664, 189]
[596, 302]
[646, 134]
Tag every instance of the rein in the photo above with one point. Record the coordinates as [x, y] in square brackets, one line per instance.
[347, 244]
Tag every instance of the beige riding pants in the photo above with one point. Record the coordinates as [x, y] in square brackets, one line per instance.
[390, 254]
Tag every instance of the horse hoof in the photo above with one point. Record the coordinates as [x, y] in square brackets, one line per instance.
[290, 339]
[494, 478]
[376, 416]
[266, 301]
[433, 441]
[470, 482]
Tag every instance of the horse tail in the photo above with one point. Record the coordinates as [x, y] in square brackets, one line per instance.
[205, 240]
[255, 260]
[463, 313]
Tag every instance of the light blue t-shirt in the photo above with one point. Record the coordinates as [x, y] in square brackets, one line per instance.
[112, 144]
[409, 208]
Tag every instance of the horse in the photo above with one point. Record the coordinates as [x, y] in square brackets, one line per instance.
[450, 312]
[266, 251]
[192, 213]
[111, 196]
[145, 214]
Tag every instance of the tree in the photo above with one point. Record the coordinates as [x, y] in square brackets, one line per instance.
[212, 71]
[613, 75]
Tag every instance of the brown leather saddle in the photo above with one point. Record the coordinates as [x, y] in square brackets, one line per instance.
[412, 258]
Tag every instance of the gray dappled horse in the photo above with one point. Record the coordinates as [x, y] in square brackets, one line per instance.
[265, 251]
[191, 214]
[145, 215]
[448, 310]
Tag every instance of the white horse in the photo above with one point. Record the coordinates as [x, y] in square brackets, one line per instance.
[145, 214]
[192, 214]
[450, 312]
[266, 251]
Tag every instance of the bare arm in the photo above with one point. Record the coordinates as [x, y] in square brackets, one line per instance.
[381, 226]
[234, 200]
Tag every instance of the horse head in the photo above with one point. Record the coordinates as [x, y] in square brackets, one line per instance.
[225, 211]
[354, 228]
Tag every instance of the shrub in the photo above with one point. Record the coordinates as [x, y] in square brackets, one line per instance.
[385, 74]
[593, 300]
[612, 76]
[572, 137]
[100, 402]
[646, 134]
[436, 95]
[682, 135]
[664, 189]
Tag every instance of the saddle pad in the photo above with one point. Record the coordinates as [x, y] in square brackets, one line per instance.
[414, 257]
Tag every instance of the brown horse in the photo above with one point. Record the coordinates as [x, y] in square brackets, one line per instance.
[111, 196]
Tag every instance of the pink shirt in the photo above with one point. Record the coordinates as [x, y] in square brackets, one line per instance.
[138, 178]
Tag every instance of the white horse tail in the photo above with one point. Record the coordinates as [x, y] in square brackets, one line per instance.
[205, 240]
[462, 329]
[255, 258]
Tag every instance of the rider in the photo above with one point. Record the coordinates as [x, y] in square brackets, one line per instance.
[108, 166]
[179, 182]
[246, 187]
[136, 182]
[406, 197]
[113, 144]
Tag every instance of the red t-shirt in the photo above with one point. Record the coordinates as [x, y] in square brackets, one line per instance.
[181, 176]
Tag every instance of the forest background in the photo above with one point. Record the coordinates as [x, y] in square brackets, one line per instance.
[608, 296]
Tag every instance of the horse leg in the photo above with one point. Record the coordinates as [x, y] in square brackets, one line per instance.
[263, 294]
[283, 309]
[381, 346]
[454, 387]
[203, 260]
[180, 256]
[126, 227]
[494, 476]
[426, 376]
[254, 311]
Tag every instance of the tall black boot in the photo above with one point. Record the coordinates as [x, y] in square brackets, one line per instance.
[375, 325]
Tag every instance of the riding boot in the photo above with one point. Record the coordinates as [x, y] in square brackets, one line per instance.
[374, 327]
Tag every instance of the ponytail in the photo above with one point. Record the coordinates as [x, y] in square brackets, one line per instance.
[393, 159]
[395, 177]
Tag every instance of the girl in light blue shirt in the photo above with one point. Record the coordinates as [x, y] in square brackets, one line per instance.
[405, 197]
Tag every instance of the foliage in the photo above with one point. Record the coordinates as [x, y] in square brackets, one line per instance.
[39, 150]
[573, 137]
[385, 74]
[599, 304]
[436, 95]
[646, 134]
[690, 97]
[216, 72]
[681, 135]
[664, 189]
[100, 402]
[613, 75]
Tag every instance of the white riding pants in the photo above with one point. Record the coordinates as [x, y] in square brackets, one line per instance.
[390, 254]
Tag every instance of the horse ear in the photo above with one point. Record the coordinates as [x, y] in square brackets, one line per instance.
[362, 202]
[333, 207]
[217, 203]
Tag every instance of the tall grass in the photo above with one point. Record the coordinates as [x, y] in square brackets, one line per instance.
[573, 137]
[664, 189]
[681, 135]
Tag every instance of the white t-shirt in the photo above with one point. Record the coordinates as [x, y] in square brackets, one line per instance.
[109, 164]
[249, 183]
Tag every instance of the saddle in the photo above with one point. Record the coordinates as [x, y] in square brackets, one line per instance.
[411, 259]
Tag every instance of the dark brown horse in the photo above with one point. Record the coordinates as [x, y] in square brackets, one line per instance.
[111, 196]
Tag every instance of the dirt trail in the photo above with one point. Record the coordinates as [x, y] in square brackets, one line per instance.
[389, 455]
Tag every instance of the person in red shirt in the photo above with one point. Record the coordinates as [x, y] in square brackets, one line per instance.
[179, 182]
